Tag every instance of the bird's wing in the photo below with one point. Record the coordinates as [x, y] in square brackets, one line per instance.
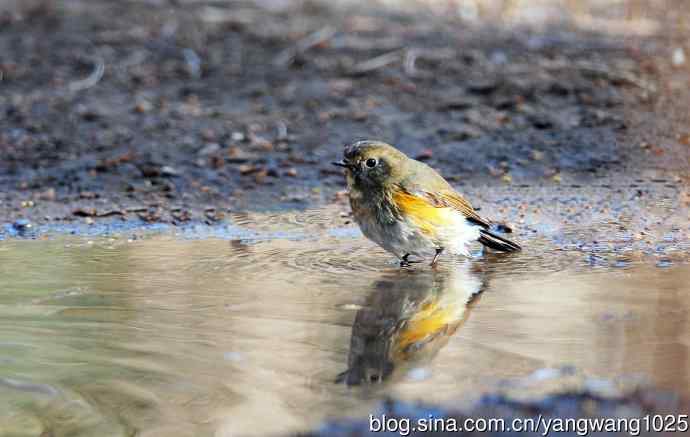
[451, 199]
[443, 198]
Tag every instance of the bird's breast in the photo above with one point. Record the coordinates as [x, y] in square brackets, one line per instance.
[373, 205]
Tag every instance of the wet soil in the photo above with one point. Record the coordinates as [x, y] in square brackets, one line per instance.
[169, 112]
[581, 404]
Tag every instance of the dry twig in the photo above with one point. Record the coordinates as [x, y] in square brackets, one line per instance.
[412, 55]
[287, 56]
[376, 63]
[92, 79]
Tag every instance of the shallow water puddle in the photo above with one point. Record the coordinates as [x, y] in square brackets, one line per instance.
[208, 336]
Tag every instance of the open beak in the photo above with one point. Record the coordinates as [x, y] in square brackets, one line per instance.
[342, 163]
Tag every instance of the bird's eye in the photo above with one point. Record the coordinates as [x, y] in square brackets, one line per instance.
[371, 163]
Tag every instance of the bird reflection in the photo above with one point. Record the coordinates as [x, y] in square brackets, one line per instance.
[407, 319]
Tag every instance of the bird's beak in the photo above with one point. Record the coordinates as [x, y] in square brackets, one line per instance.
[342, 163]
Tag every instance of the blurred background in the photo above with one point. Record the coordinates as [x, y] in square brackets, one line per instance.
[160, 108]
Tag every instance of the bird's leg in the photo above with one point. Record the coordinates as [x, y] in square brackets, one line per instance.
[404, 262]
[438, 253]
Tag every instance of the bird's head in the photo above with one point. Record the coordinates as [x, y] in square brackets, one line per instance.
[373, 164]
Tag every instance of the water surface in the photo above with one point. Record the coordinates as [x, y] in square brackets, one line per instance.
[298, 320]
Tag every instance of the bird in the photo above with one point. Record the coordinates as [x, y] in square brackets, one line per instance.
[408, 208]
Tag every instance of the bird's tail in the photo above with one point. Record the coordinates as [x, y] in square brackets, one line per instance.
[496, 242]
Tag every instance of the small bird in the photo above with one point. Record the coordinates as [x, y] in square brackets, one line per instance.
[407, 208]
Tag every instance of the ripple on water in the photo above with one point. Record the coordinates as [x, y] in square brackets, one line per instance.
[316, 259]
[345, 259]
[326, 255]
[313, 220]
[37, 409]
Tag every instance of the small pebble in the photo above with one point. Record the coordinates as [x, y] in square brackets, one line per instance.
[678, 58]
[209, 149]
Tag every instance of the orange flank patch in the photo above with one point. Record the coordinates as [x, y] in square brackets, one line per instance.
[430, 320]
[425, 215]
[431, 324]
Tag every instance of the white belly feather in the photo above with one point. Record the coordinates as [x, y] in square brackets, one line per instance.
[405, 236]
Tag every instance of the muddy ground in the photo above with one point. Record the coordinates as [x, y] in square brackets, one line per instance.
[176, 111]
[565, 395]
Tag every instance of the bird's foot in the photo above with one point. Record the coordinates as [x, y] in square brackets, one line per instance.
[406, 262]
[434, 261]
